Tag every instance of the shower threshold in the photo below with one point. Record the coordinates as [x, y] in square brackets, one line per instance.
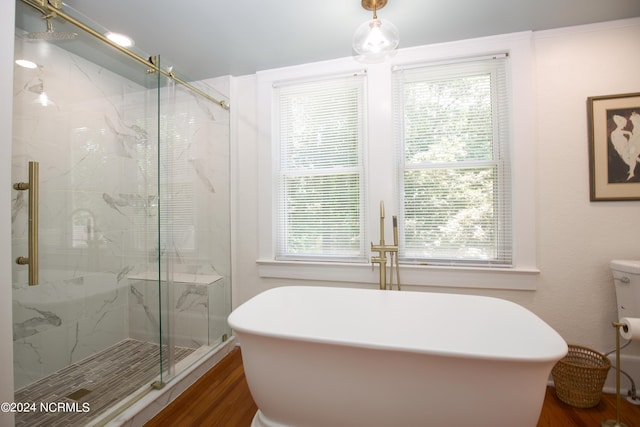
[82, 391]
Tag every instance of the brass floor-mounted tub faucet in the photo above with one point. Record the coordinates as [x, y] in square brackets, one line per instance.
[383, 250]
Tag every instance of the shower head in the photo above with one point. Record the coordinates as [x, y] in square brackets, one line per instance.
[50, 34]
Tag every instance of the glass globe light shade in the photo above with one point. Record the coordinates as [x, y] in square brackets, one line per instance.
[375, 36]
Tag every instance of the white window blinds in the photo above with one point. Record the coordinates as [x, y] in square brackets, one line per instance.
[319, 176]
[451, 124]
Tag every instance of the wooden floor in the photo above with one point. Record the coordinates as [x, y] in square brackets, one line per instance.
[221, 398]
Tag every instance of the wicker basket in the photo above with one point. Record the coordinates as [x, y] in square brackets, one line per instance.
[580, 376]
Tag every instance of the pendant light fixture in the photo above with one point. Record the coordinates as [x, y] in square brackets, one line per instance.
[375, 37]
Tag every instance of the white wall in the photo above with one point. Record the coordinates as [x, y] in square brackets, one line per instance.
[576, 238]
[6, 87]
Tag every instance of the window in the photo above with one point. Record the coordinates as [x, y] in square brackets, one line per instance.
[445, 137]
[451, 125]
[319, 188]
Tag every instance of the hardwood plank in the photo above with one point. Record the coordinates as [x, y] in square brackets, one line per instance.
[557, 413]
[221, 398]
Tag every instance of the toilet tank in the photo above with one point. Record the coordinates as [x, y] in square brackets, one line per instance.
[626, 277]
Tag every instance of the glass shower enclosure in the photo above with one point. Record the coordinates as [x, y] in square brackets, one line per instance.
[120, 217]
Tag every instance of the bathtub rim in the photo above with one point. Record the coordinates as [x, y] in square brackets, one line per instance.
[558, 352]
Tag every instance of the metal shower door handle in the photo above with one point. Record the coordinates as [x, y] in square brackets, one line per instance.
[32, 186]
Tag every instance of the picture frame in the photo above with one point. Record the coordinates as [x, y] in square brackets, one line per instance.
[614, 147]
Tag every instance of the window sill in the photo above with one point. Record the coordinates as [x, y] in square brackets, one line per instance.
[523, 279]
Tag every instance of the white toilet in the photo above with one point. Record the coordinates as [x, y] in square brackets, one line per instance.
[626, 276]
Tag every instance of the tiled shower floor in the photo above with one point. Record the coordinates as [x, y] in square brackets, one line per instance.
[108, 377]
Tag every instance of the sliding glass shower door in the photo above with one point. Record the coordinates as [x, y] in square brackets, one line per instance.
[91, 128]
[132, 212]
[194, 217]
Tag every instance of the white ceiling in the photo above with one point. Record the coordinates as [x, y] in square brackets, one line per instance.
[218, 37]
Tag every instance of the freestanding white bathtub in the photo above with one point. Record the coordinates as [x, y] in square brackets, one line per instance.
[337, 357]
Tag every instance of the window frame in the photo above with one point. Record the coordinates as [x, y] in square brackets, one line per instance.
[282, 171]
[500, 160]
[522, 275]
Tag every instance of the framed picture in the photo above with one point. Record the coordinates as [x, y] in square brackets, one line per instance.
[614, 147]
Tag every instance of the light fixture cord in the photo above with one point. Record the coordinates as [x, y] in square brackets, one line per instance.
[375, 6]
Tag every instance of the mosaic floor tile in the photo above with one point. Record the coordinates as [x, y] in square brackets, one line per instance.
[82, 391]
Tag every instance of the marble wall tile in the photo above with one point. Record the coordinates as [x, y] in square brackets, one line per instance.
[144, 318]
[64, 320]
[186, 310]
[190, 319]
